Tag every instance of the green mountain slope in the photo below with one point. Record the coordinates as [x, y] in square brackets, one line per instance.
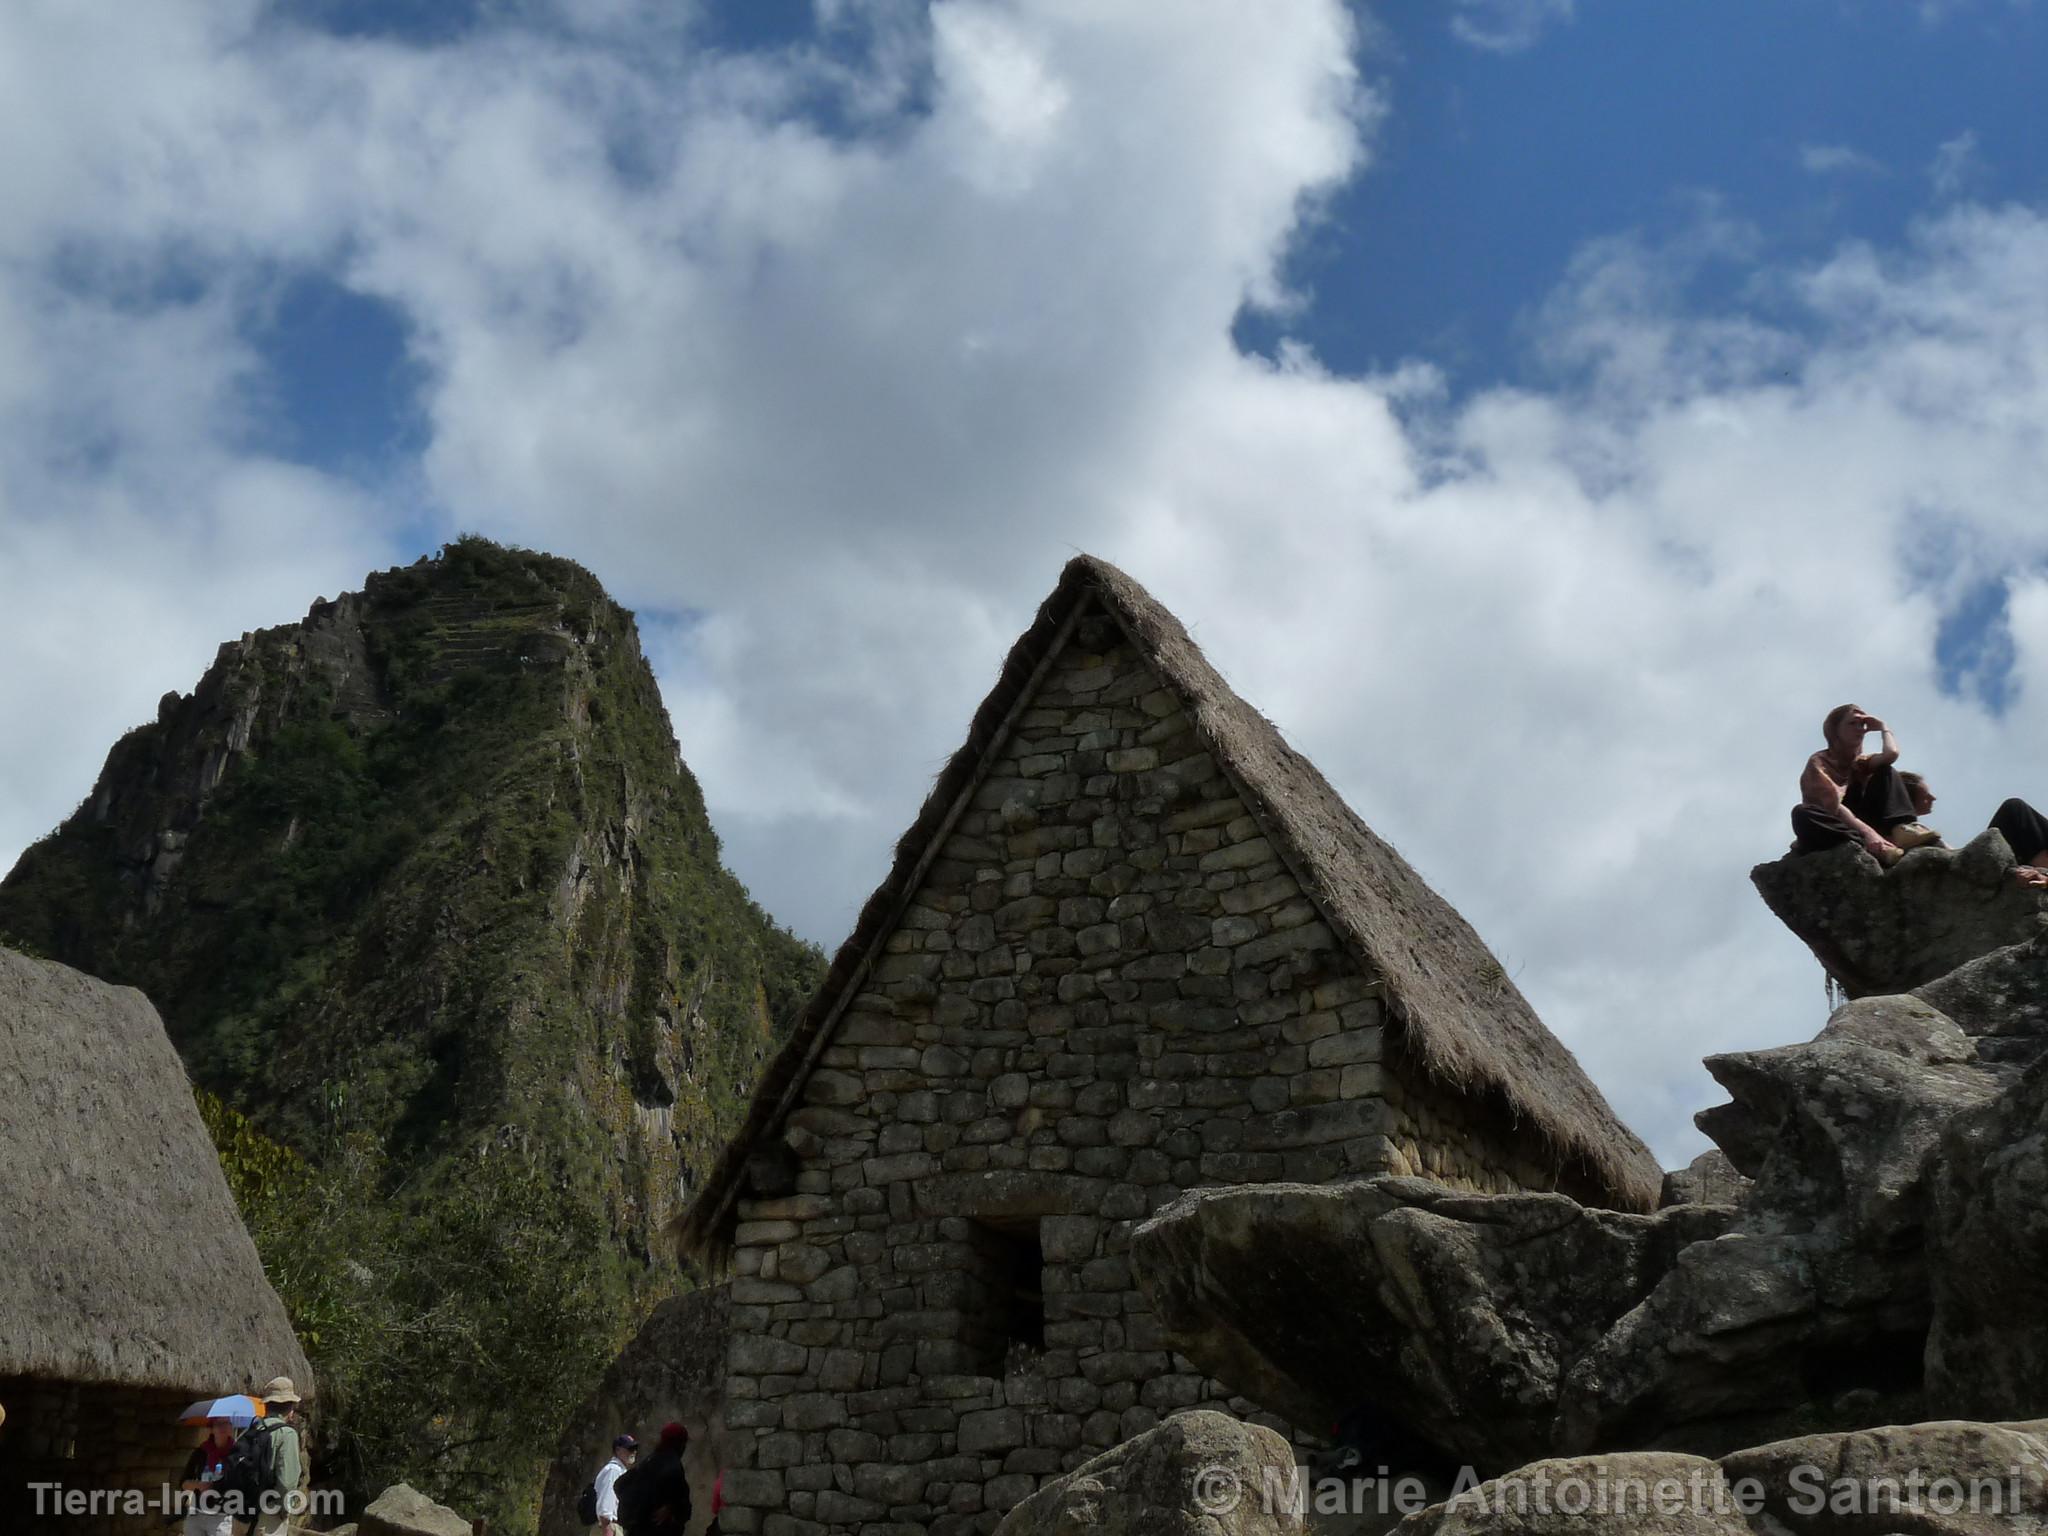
[424, 891]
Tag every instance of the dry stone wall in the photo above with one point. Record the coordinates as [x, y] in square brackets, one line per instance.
[1108, 989]
[102, 1442]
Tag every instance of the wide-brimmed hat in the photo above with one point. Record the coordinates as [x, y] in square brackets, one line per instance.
[279, 1390]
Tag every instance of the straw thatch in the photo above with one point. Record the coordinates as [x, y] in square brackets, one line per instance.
[1457, 1014]
[125, 1261]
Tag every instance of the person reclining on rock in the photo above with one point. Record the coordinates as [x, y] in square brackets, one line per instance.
[2024, 829]
[1848, 796]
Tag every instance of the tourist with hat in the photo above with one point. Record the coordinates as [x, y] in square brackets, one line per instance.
[281, 1420]
[654, 1498]
[624, 1449]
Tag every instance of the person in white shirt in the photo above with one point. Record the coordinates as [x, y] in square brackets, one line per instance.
[624, 1449]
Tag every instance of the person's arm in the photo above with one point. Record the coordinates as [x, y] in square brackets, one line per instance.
[1822, 793]
[607, 1501]
[288, 1459]
[1890, 748]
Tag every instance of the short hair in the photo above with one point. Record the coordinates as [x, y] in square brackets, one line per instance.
[1835, 717]
[1911, 780]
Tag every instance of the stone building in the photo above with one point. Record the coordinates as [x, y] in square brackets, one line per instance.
[1133, 944]
[128, 1285]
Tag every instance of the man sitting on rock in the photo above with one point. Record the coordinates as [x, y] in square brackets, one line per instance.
[1848, 796]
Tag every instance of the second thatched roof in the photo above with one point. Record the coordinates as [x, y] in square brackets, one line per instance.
[126, 1261]
[1458, 1014]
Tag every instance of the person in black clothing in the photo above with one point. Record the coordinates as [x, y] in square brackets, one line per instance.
[2026, 832]
[654, 1497]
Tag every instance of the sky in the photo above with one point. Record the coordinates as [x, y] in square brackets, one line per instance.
[1544, 410]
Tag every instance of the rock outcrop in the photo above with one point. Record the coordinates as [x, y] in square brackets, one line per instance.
[673, 1369]
[1882, 1256]
[1462, 1312]
[1987, 1255]
[2000, 999]
[1200, 1473]
[1709, 1179]
[1890, 930]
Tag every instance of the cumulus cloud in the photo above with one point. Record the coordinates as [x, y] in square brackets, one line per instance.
[840, 351]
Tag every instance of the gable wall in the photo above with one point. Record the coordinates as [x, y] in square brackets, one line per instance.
[1108, 990]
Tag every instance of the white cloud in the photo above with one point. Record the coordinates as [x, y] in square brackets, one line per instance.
[856, 395]
[1837, 160]
[1507, 26]
[1957, 168]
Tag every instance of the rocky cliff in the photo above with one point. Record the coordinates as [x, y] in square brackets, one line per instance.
[424, 874]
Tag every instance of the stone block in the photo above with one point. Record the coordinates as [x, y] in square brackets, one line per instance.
[834, 1088]
[1228, 932]
[886, 1483]
[762, 1487]
[1343, 1050]
[836, 1508]
[906, 1165]
[991, 1430]
[814, 1410]
[1068, 1239]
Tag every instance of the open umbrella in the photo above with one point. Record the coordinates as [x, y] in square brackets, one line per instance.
[239, 1409]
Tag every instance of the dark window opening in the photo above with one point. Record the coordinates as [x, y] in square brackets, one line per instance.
[1004, 1317]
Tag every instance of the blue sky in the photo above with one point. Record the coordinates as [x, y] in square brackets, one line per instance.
[1809, 122]
[1582, 393]
[1812, 121]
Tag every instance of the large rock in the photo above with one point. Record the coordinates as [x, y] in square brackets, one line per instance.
[2000, 998]
[1877, 930]
[674, 1368]
[1579, 1495]
[402, 1510]
[2002, 1467]
[1457, 1315]
[1878, 1249]
[1987, 1257]
[1498, 1329]
[1198, 1474]
[1709, 1179]
[1933, 1479]
[1809, 1311]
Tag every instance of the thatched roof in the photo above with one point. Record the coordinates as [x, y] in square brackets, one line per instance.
[125, 1261]
[1457, 1014]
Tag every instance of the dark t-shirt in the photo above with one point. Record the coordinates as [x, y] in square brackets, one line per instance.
[658, 1484]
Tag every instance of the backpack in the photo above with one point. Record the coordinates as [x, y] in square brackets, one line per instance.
[586, 1503]
[250, 1468]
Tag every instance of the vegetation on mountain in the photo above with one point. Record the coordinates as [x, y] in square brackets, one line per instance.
[433, 912]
